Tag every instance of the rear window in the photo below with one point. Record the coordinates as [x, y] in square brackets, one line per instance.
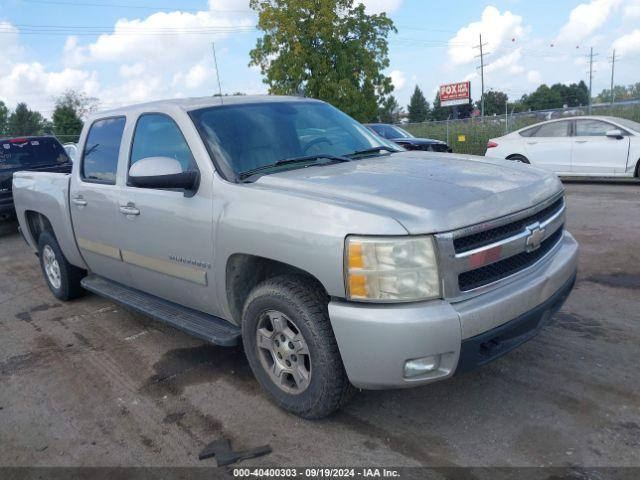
[31, 152]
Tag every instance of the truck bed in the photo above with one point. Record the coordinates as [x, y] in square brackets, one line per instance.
[46, 193]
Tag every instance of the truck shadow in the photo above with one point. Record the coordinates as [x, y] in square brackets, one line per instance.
[8, 227]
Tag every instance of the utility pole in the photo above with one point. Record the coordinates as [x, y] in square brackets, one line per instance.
[482, 54]
[215, 63]
[613, 66]
[590, 77]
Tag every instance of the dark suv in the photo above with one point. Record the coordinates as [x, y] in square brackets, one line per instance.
[406, 140]
[43, 154]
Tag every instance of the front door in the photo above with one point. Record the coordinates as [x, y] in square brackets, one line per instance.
[94, 199]
[167, 235]
[550, 147]
[596, 154]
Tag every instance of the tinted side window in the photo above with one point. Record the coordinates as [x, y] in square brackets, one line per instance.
[593, 128]
[100, 156]
[158, 135]
[554, 129]
[529, 132]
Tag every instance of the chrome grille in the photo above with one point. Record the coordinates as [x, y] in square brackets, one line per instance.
[481, 257]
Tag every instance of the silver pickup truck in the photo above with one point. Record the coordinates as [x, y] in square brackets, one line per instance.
[336, 258]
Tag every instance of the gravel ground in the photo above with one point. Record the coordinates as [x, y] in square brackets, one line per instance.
[89, 384]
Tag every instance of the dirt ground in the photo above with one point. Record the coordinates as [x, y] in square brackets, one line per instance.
[89, 384]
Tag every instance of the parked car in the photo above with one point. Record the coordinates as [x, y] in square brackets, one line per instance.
[403, 138]
[72, 150]
[335, 257]
[41, 154]
[580, 146]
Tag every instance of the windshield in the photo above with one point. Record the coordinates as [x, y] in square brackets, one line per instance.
[249, 136]
[628, 124]
[29, 152]
[400, 133]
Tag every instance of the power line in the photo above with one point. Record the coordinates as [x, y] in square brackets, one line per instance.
[138, 7]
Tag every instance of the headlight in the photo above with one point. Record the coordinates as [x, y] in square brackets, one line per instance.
[393, 269]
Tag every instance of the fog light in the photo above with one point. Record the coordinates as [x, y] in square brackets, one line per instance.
[420, 366]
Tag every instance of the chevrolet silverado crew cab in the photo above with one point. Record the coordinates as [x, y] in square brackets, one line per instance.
[336, 258]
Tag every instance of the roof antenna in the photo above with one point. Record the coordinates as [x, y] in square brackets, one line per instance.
[215, 63]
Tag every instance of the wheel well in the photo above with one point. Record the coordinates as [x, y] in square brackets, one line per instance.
[37, 224]
[637, 174]
[244, 272]
[516, 155]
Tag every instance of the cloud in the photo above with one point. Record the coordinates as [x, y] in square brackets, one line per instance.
[508, 62]
[628, 44]
[632, 10]
[496, 28]
[32, 83]
[585, 19]
[398, 79]
[534, 77]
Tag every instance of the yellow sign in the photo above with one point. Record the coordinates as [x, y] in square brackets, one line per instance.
[462, 138]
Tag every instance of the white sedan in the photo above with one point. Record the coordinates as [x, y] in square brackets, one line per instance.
[579, 146]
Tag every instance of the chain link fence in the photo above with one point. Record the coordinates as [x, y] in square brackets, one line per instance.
[470, 135]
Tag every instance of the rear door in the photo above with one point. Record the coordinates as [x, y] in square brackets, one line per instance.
[94, 199]
[596, 154]
[550, 147]
[167, 238]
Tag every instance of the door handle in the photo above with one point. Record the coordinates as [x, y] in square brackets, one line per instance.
[79, 201]
[531, 143]
[582, 141]
[129, 209]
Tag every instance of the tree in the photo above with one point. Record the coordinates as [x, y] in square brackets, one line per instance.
[543, 98]
[67, 125]
[81, 103]
[438, 112]
[418, 107]
[4, 117]
[494, 102]
[390, 110]
[325, 49]
[71, 108]
[23, 122]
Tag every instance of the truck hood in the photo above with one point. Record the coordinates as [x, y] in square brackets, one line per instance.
[425, 192]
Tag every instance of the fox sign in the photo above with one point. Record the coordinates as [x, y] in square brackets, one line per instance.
[455, 94]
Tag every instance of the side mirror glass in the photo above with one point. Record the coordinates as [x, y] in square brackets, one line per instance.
[615, 134]
[162, 173]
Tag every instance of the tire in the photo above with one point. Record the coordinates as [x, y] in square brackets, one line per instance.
[637, 175]
[518, 158]
[297, 303]
[64, 283]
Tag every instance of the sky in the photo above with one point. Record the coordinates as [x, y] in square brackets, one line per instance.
[130, 51]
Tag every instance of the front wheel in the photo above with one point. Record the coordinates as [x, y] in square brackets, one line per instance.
[63, 279]
[291, 348]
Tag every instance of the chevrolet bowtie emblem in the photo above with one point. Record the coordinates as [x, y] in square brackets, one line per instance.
[535, 237]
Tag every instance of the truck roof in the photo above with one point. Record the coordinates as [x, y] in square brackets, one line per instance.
[189, 104]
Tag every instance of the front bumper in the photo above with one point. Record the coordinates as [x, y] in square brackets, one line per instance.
[375, 341]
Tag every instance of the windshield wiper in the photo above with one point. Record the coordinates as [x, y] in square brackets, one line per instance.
[292, 161]
[372, 150]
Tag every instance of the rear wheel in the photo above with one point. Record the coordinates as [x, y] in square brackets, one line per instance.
[291, 348]
[518, 158]
[63, 279]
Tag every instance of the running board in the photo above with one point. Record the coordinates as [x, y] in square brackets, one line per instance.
[198, 324]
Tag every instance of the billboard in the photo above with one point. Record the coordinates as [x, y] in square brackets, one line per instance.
[455, 94]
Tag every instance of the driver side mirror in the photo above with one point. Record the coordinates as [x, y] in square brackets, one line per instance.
[615, 134]
[162, 173]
